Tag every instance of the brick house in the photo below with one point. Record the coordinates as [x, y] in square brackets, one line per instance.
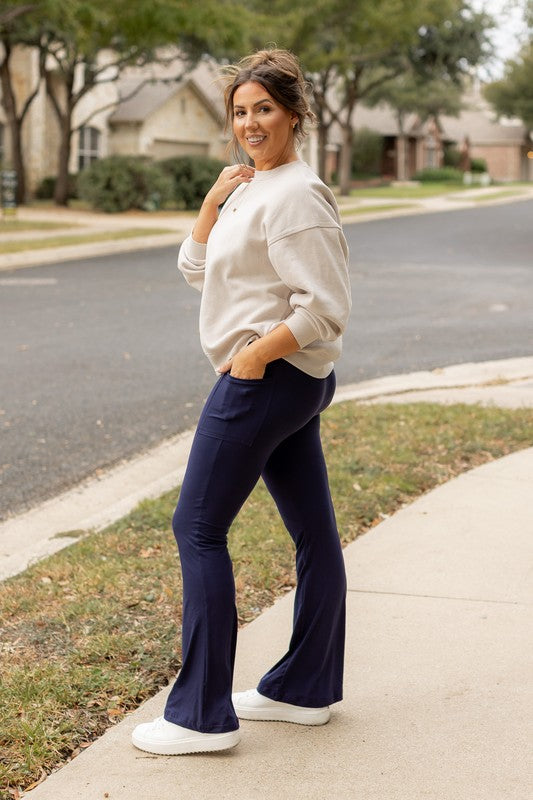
[503, 144]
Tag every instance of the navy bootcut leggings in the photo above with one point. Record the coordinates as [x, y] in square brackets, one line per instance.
[251, 428]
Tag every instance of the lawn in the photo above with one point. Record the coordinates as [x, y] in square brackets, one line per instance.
[429, 189]
[84, 238]
[375, 209]
[13, 225]
[89, 633]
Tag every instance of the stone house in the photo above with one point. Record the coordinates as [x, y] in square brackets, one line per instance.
[159, 118]
[147, 111]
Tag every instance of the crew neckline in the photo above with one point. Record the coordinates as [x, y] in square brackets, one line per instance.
[264, 174]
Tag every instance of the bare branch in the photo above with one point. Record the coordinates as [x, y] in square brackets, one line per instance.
[122, 99]
[382, 79]
[8, 16]
[50, 92]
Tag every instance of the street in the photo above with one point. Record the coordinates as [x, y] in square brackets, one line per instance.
[100, 358]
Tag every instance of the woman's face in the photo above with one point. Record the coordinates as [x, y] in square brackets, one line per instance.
[263, 127]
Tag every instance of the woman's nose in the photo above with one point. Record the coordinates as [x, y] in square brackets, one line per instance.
[250, 121]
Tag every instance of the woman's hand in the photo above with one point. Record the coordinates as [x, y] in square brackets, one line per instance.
[246, 364]
[250, 362]
[227, 181]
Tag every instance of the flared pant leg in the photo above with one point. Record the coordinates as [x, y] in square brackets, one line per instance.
[246, 428]
[310, 673]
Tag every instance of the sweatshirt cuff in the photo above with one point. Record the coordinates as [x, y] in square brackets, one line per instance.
[195, 250]
[301, 328]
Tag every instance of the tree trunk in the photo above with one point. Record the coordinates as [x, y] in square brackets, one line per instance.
[322, 143]
[345, 171]
[401, 155]
[65, 141]
[14, 125]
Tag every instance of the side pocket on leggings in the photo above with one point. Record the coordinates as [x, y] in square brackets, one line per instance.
[236, 409]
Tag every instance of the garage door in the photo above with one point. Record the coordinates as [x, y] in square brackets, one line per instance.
[165, 149]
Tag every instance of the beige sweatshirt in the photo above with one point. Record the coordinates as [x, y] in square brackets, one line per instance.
[276, 254]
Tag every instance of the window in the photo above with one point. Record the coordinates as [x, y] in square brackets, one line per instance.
[88, 146]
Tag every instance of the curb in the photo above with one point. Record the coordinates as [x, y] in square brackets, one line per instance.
[35, 258]
[120, 489]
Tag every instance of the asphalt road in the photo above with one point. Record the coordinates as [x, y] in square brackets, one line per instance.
[100, 358]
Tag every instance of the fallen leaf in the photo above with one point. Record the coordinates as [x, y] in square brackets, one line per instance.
[35, 783]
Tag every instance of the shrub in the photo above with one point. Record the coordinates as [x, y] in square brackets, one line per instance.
[118, 183]
[452, 156]
[192, 177]
[367, 152]
[439, 174]
[478, 165]
[46, 188]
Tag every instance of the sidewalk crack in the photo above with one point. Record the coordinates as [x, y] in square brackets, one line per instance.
[441, 597]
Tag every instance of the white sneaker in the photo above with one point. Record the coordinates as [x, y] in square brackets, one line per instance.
[167, 739]
[252, 705]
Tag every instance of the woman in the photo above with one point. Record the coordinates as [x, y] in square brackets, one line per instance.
[272, 269]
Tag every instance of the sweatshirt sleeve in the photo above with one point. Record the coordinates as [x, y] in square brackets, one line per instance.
[191, 262]
[313, 264]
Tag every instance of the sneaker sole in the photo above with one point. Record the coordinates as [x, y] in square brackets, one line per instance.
[220, 741]
[296, 716]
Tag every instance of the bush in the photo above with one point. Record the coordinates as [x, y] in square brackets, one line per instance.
[46, 188]
[439, 174]
[367, 152]
[192, 177]
[452, 157]
[118, 183]
[478, 165]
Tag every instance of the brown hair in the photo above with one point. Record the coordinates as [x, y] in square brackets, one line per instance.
[279, 72]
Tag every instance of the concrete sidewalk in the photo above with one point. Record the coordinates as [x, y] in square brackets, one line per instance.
[436, 689]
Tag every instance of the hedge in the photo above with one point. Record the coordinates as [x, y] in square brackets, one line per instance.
[118, 183]
[439, 174]
[192, 177]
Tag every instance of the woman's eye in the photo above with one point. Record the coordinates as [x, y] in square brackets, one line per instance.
[265, 108]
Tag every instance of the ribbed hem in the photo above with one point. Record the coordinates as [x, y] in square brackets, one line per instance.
[301, 328]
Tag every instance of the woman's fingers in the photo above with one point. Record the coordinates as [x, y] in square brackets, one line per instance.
[225, 367]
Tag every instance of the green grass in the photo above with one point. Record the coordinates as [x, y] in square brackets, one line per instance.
[482, 198]
[348, 212]
[89, 238]
[406, 192]
[10, 225]
[89, 633]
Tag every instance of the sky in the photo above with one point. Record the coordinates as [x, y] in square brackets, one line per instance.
[509, 31]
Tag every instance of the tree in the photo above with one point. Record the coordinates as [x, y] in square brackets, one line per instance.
[84, 43]
[132, 34]
[350, 49]
[410, 94]
[512, 96]
[10, 28]
[440, 41]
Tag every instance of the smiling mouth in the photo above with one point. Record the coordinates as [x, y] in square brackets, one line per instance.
[255, 140]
